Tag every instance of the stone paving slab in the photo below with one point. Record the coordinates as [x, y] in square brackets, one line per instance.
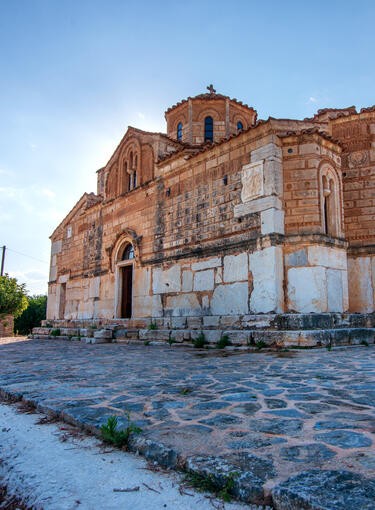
[280, 414]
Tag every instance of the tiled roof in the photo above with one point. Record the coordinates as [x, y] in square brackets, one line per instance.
[311, 131]
[368, 109]
[207, 97]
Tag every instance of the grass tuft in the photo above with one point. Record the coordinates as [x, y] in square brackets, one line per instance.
[113, 435]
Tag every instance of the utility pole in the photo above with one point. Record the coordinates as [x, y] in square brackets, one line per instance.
[3, 260]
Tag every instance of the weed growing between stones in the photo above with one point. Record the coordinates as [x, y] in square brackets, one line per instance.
[185, 391]
[55, 332]
[152, 326]
[223, 342]
[49, 325]
[364, 342]
[210, 484]
[113, 435]
[260, 344]
[70, 336]
[171, 340]
[329, 347]
[200, 341]
[146, 342]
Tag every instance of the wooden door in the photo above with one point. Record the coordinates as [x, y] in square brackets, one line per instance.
[126, 299]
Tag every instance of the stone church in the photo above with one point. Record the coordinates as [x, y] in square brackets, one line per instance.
[224, 215]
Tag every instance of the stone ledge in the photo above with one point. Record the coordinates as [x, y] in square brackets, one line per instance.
[257, 205]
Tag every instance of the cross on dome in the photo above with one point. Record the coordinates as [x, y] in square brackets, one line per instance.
[211, 89]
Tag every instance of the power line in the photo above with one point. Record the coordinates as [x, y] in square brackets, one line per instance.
[28, 256]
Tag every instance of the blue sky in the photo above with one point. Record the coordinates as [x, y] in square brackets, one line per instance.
[75, 74]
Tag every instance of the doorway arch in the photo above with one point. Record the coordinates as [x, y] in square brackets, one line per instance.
[124, 276]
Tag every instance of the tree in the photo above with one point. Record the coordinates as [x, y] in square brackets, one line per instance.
[32, 316]
[13, 299]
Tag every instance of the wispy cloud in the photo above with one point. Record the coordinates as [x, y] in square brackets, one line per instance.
[312, 99]
[32, 146]
[48, 193]
[141, 115]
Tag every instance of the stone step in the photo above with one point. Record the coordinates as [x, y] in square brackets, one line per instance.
[289, 321]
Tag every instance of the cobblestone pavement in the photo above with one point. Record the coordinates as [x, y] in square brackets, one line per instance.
[294, 411]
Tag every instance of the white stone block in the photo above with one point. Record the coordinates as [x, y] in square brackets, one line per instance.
[142, 281]
[266, 151]
[345, 293]
[361, 293]
[56, 247]
[147, 306]
[334, 290]
[334, 258]
[260, 204]
[231, 299]
[187, 281]
[219, 275]
[166, 280]
[236, 268]
[272, 221]
[52, 273]
[204, 280]
[94, 287]
[206, 264]
[267, 270]
[183, 305]
[103, 333]
[273, 176]
[307, 289]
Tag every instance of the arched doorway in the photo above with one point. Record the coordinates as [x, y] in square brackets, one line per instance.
[124, 277]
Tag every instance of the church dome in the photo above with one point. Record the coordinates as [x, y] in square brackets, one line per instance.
[207, 118]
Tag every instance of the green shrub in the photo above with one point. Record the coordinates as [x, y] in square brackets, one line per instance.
[152, 326]
[200, 341]
[260, 344]
[34, 314]
[13, 299]
[223, 342]
[113, 435]
[56, 332]
[364, 342]
[172, 340]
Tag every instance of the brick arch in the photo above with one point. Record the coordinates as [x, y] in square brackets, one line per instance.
[123, 238]
[181, 118]
[209, 112]
[237, 117]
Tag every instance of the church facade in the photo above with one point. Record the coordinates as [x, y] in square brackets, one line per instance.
[224, 215]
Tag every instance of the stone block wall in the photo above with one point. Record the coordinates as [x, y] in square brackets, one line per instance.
[6, 326]
[316, 279]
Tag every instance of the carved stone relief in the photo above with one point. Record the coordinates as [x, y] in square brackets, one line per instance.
[252, 181]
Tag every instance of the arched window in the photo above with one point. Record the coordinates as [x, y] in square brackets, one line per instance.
[239, 126]
[179, 131]
[135, 179]
[128, 253]
[131, 160]
[208, 129]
